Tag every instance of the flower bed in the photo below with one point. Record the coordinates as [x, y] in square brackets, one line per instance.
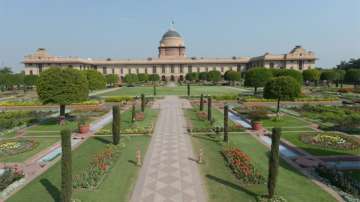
[92, 176]
[38, 103]
[303, 99]
[11, 119]
[241, 165]
[331, 140]
[9, 176]
[16, 146]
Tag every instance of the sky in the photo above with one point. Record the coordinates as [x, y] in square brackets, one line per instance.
[210, 28]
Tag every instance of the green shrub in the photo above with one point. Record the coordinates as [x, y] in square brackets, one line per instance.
[119, 99]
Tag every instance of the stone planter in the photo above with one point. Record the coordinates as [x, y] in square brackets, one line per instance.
[84, 128]
[256, 125]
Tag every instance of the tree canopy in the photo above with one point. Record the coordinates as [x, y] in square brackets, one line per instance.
[353, 76]
[289, 72]
[62, 86]
[95, 80]
[311, 75]
[203, 76]
[328, 75]
[143, 77]
[351, 64]
[154, 77]
[257, 77]
[192, 76]
[112, 79]
[214, 76]
[30, 80]
[131, 78]
[232, 76]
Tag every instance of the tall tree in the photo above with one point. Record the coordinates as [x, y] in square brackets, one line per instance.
[274, 161]
[340, 76]
[143, 77]
[30, 80]
[133, 113]
[116, 124]
[328, 76]
[282, 88]
[188, 89]
[73, 88]
[66, 166]
[95, 80]
[226, 123]
[232, 76]
[201, 102]
[257, 77]
[209, 108]
[131, 79]
[142, 102]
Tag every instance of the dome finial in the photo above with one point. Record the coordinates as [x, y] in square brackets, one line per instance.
[172, 27]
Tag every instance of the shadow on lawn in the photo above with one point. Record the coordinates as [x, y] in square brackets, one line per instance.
[231, 185]
[51, 189]
[103, 140]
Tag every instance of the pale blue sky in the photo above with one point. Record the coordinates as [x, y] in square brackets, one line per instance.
[211, 28]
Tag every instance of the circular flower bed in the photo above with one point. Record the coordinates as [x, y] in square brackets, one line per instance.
[331, 140]
[16, 146]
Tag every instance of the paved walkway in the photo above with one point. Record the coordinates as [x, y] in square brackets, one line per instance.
[169, 172]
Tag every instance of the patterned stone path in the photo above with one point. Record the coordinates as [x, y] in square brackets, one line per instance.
[169, 173]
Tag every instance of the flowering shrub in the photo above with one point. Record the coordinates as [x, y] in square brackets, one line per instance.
[242, 167]
[9, 176]
[92, 176]
[16, 146]
[331, 140]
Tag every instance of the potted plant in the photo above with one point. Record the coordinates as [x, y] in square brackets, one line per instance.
[255, 117]
[84, 127]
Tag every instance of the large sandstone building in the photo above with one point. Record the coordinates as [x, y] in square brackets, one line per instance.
[172, 62]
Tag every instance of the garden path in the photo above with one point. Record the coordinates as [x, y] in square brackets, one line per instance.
[170, 171]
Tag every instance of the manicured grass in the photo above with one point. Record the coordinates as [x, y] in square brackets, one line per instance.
[313, 149]
[178, 90]
[116, 186]
[43, 144]
[223, 186]
[125, 120]
[285, 121]
[51, 125]
[198, 123]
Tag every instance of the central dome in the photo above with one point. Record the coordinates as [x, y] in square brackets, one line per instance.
[171, 38]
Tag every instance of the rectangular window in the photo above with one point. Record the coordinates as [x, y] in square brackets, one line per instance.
[172, 68]
[104, 70]
[146, 71]
[206, 69]
[154, 69]
[163, 69]
[238, 67]
[40, 68]
[137, 70]
[31, 72]
[222, 69]
[181, 69]
[189, 68]
[121, 70]
[113, 70]
[198, 69]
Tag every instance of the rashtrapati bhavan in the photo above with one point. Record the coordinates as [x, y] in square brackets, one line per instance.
[172, 62]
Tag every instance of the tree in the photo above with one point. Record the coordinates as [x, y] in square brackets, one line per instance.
[226, 124]
[116, 125]
[273, 161]
[188, 89]
[311, 75]
[209, 108]
[143, 77]
[192, 76]
[154, 77]
[214, 76]
[133, 113]
[352, 64]
[6, 70]
[328, 76]
[353, 76]
[112, 79]
[203, 76]
[257, 77]
[201, 102]
[232, 76]
[95, 80]
[282, 88]
[154, 89]
[340, 76]
[131, 79]
[73, 88]
[30, 80]
[66, 166]
[289, 72]
[142, 102]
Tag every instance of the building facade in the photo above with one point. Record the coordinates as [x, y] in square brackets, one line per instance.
[172, 62]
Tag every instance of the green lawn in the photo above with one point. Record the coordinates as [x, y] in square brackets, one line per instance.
[117, 186]
[285, 121]
[198, 123]
[51, 125]
[179, 90]
[125, 120]
[223, 186]
[43, 144]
